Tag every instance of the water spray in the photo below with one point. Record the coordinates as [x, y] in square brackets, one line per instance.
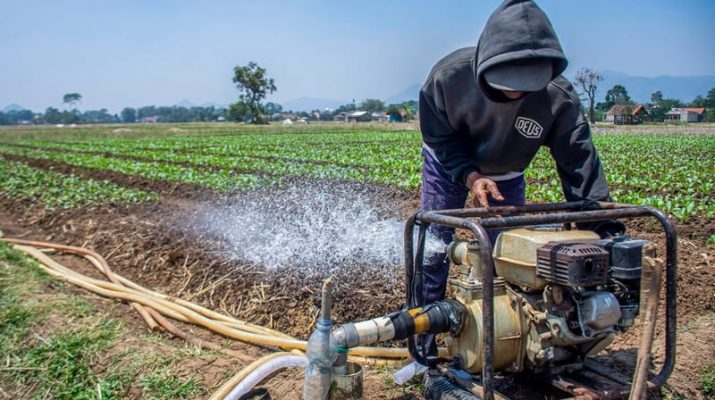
[309, 227]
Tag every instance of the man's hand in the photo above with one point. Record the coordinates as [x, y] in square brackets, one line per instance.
[481, 188]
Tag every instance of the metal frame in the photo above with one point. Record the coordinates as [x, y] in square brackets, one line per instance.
[477, 220]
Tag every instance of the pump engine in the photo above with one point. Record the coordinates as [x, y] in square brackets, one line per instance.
[540, 301]
[559, 295]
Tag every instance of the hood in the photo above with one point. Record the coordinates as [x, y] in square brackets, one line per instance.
[518, 30]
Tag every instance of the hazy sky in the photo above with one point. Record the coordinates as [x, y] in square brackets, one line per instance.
[134, 53]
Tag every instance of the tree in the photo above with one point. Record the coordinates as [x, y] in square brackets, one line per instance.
[409, 107]
[14, 117]
[97, 117]
[617, 95]
[72, 99]
[707, 102]
[393, 110]
[350, 107]
[273, 108]
[656, 97]
[662, 107]
[146, 111]
[252, 84]
[129, 115]
[239, 112]
[53, 115]
[699, 101]
[587, 79]
[372, 105]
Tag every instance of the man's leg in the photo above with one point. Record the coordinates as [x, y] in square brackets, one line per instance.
[438, 193]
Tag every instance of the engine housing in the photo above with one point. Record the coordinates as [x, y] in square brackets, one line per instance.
[555, 300]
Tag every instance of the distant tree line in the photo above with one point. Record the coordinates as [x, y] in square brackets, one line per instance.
[164, 114]
[659, 106]
[128, 115]
[587, 80]
[403, 111]
[253, 86]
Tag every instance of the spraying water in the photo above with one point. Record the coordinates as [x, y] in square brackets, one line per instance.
[316, 226]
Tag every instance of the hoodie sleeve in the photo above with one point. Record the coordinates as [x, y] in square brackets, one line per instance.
[577, 162]
[450, 147]
[579, 167]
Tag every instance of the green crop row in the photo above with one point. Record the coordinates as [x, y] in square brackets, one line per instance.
[55, 190]
[364, 150]
[381, 162]
[673, 173]
[670, 172]
[221, 180]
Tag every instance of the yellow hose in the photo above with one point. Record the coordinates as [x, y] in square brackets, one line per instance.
[174, 308]
[153, 306]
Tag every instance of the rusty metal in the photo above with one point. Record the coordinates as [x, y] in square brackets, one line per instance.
[585, 385]
[347, 386]
[465, 381]
[529, 215]
[650, 285]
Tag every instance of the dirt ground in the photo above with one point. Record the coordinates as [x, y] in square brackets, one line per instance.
[150, 244]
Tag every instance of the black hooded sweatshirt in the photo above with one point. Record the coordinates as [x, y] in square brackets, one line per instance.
[471, 127]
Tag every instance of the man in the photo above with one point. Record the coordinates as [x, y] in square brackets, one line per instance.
[484, 114]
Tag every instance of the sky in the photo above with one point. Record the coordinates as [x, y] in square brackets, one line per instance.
[134, 53]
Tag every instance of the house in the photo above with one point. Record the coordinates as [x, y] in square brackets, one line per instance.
[379, 116]
[397, 114]
[326, 115]
[627, 114]
[360, 116]
[685, 115]
[290, 116]
[153, 119]
[395, 118]
[341, 117]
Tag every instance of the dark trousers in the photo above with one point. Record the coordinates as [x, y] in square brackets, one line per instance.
[440, 193]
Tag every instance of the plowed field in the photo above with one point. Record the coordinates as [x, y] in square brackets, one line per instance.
[249, 221]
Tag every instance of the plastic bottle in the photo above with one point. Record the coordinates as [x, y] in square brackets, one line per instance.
[321, 357]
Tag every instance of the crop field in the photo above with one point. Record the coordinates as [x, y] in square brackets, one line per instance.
[672, 173]
[249, 220]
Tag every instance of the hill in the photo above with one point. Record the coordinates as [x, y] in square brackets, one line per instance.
[13, 107]
[684, 88]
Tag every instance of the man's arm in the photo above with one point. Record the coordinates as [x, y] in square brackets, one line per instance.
[579, 167]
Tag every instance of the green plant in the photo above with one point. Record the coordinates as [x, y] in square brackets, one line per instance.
[64, 191]
[669, 394]
[707, 382]
[668, 171]
[161, 385]
[58, 362]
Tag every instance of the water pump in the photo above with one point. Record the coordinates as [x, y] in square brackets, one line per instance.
[542, 301]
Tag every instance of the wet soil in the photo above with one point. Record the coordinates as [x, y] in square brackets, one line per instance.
[149, 244]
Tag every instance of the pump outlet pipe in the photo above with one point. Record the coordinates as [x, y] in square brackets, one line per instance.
[321, 355]
[439, 317]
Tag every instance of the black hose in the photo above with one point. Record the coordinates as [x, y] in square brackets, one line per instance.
[413, 269]
[438, 387]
